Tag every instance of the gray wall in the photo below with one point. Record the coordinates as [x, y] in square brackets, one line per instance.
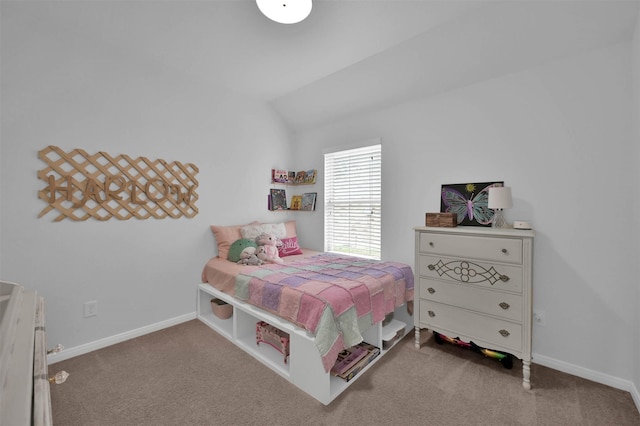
[561, 135]
[60, 88]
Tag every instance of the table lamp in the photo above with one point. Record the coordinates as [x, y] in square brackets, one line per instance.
[499, 199]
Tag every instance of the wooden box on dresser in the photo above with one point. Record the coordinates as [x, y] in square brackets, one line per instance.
[475, 283]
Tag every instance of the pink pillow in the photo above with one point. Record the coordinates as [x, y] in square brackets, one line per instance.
[225, 236]
[289, 247]
[290, 226]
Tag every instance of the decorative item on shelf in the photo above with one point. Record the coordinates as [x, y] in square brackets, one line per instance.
[299, 177]
[285, 11]
[446, 220]
[469, 201]
[303, 177]
[279, 176]
[499, 199]
[221, 309]
[278, 199]
[308, 201]
[296, 202]
[309, 177]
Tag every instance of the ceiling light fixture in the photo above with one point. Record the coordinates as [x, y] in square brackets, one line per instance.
[285, 11]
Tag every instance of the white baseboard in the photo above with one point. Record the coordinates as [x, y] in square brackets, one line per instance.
[108, 341]
[635, 395]
[585, 373]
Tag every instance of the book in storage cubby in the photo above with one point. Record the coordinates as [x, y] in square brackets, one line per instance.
[353, 360]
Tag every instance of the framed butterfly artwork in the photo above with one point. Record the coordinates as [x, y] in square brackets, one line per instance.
[469, 201]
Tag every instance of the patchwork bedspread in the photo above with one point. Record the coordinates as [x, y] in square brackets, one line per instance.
[332, 296]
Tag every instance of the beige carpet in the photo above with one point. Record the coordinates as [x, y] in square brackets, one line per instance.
[190, 375]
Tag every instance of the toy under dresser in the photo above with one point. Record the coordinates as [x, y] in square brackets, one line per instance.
[475, 284]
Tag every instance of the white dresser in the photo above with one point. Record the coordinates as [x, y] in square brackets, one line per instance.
[474, 283]
[24, 386]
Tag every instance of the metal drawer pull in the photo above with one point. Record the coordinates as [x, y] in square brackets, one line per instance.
[504, 305]
[504, 278]
[431, 244]
[431, 267]
[505, 251]
[432, 314]
[431, 290]
[504, 333]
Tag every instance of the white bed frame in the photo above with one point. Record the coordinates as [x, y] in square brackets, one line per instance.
[304, 366]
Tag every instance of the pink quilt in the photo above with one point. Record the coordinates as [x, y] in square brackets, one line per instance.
[331, 296]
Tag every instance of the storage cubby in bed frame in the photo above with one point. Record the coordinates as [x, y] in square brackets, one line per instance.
[304, 367]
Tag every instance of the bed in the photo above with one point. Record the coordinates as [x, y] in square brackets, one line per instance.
[326, 302]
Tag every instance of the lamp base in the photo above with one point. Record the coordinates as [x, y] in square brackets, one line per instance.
[499, 221]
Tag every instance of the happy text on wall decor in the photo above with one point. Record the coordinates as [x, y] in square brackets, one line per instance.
[82, 186]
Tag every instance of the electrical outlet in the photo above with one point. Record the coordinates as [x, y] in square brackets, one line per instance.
[539, 318]
[90, 309]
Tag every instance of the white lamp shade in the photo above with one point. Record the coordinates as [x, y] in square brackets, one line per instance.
[285, 11]
[500, 197]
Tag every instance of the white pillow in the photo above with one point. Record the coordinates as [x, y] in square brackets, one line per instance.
[251, 231]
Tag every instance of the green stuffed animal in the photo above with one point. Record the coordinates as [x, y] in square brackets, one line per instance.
[238, 247]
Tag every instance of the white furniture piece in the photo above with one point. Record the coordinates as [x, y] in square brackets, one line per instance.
[475, 284]
[24, 385]
[304, 366]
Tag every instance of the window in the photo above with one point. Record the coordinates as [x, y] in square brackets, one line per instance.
[353, 201]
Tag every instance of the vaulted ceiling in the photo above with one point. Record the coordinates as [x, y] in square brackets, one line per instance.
[348, 56]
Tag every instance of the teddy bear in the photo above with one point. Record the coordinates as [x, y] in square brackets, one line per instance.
[248, 257]
[268, 248]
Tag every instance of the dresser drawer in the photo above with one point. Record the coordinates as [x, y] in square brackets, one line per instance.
[507, 250]
[457, 322]
[501, 277]
[504, 305]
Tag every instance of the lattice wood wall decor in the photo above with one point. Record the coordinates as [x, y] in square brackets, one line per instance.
[100, 186]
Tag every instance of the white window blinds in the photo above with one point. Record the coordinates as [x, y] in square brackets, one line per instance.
[353, 201]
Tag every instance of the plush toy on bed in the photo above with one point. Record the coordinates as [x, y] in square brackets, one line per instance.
[268, 248]
[239, 246]
[249, 257]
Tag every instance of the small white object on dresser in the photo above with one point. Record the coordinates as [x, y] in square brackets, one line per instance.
[475, 283]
